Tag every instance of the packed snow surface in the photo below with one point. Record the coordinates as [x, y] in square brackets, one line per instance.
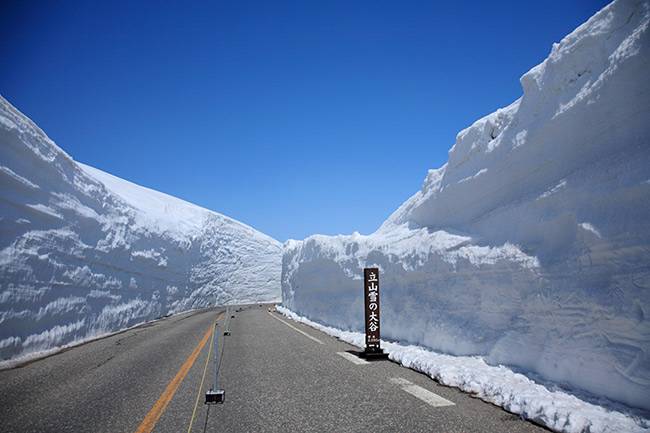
[84, 253]
[513, 391]
[530, 247]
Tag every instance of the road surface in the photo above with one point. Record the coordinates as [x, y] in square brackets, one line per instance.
[279, 376]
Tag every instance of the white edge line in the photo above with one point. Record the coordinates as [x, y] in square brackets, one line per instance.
[423, 394]
[28, 358]
[353, 359]
[296, 329]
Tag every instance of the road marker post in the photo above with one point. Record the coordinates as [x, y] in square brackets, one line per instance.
[373, 349]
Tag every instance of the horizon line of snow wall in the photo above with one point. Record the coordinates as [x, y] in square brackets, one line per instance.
[531, 246]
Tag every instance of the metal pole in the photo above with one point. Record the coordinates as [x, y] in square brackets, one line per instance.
[216, 395]
[216, 360]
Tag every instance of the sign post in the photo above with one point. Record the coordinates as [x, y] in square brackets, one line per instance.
[372, 316]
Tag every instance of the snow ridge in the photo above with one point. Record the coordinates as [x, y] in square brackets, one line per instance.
[84, 253]
[530, 247]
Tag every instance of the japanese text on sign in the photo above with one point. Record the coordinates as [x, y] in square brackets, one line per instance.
[371, 295]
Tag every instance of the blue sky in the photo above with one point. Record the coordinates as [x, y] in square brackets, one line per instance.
[294, 117]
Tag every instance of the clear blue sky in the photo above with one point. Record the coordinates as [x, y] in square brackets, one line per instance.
[294, 117]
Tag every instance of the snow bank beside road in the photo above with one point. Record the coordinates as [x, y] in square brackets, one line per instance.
[499, 385]
[84, 253]
[531, 246]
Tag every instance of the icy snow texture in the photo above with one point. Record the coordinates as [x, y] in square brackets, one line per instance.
[83, 253]
[499, 385]
[531, 246]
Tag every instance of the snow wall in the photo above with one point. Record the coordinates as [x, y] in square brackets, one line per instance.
[83, 253]
[531, 246]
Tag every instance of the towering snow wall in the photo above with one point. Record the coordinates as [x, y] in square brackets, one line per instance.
[83, 253]
[531, 245]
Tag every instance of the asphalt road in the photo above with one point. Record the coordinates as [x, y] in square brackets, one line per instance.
[279, 376]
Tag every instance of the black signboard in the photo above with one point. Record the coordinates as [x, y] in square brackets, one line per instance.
[371, 299]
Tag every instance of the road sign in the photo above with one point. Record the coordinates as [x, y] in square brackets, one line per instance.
[372, 317]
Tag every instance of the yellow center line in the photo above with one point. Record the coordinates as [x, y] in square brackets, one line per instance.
[149, 421]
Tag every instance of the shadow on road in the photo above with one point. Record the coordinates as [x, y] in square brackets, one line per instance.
[207, 416]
